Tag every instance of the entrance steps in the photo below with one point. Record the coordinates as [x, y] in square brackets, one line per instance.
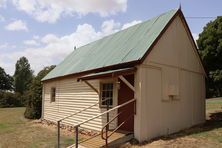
[115, 140]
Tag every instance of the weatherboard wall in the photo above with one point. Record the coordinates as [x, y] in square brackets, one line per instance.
[72, 96]
[172, 67]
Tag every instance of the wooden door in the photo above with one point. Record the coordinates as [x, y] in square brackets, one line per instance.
[124, 95]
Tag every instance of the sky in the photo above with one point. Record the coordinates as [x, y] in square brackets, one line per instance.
[46, 31]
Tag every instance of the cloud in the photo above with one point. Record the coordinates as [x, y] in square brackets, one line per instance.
[2, 3]
[6, 46]
[31, 43]
[195, 36]
[110, 26]
[127, 25]
[51, 10]
[17, 25]
[53, 49]
[50, 38]
[2, 19]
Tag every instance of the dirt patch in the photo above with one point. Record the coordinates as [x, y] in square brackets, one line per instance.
[207, 135]
[183, 142]
[65, 129]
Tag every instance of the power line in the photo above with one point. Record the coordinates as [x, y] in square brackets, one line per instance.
[200, 17]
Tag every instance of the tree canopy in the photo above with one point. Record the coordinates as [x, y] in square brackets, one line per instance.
[23, 75]
[6, 81]
[210, 49]
[34, 95]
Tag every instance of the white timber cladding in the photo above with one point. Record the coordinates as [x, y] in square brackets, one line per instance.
[72, 96]
[170, 86]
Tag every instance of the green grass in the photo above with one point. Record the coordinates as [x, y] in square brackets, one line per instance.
[16, 131]
[213, 104]
[212, 129]
[3, 126]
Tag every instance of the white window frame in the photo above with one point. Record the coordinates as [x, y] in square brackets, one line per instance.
[52, 97]
[113, 94]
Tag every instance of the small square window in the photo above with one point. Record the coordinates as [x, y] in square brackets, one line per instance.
[53, 94]
[106, 94]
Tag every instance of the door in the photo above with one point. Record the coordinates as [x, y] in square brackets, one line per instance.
[125, 94]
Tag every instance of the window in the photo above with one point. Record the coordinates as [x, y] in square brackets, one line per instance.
[106, 94]
[53, 94]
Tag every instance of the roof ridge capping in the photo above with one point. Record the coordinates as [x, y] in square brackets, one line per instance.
[112, 49]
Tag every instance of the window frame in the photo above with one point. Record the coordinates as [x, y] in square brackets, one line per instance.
[53, 97]
[101, 91]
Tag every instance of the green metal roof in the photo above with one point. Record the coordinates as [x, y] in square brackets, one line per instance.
[124, 46]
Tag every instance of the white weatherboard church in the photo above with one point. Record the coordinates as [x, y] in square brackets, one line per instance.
[148, 78]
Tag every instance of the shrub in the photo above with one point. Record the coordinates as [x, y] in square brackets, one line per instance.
[9, 99]
[33, 96]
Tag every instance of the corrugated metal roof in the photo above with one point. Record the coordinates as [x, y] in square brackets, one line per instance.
[124, 46]
[112, 73]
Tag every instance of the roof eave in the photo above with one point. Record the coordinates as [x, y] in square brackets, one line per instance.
[111, 67]
[193, 42]
[159, 36]
[180, 14]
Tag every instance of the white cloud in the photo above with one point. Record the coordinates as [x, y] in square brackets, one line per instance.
[127, 25]
[50, 38]
[195, 36]
[51, 10]
[31, 43]
[6, 45]
[17, 25]
[36, 37]
[2, 3]
[56, 48]
[110, 26]
[2, 19]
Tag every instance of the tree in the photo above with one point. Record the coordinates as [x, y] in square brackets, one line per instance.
[210, 49]
[6, 81]
[23, 75]
[9, 99]
[34, 95]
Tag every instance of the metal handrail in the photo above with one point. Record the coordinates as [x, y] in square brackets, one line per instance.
[102, 131]
[119, 106]
[113, 131]
[82, 110]
[117, 127]
[60, 120]
[90, 119]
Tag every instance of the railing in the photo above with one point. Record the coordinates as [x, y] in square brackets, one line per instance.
[60, 120]
[113, 131]
[106, 112]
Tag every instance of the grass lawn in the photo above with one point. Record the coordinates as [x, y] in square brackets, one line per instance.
[18, 132]
[212, 129]
[208, 135]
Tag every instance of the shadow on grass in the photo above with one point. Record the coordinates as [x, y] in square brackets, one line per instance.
[214, 122]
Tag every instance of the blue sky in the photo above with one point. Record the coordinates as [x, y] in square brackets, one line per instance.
[45, 31]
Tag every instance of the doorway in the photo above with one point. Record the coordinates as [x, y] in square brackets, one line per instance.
[125, 94]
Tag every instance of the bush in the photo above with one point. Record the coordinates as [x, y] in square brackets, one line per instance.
[33, 105]
[33, 96]
[9, 99]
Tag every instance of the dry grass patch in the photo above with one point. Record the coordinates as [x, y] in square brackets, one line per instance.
[208, 135]
[16, 131]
